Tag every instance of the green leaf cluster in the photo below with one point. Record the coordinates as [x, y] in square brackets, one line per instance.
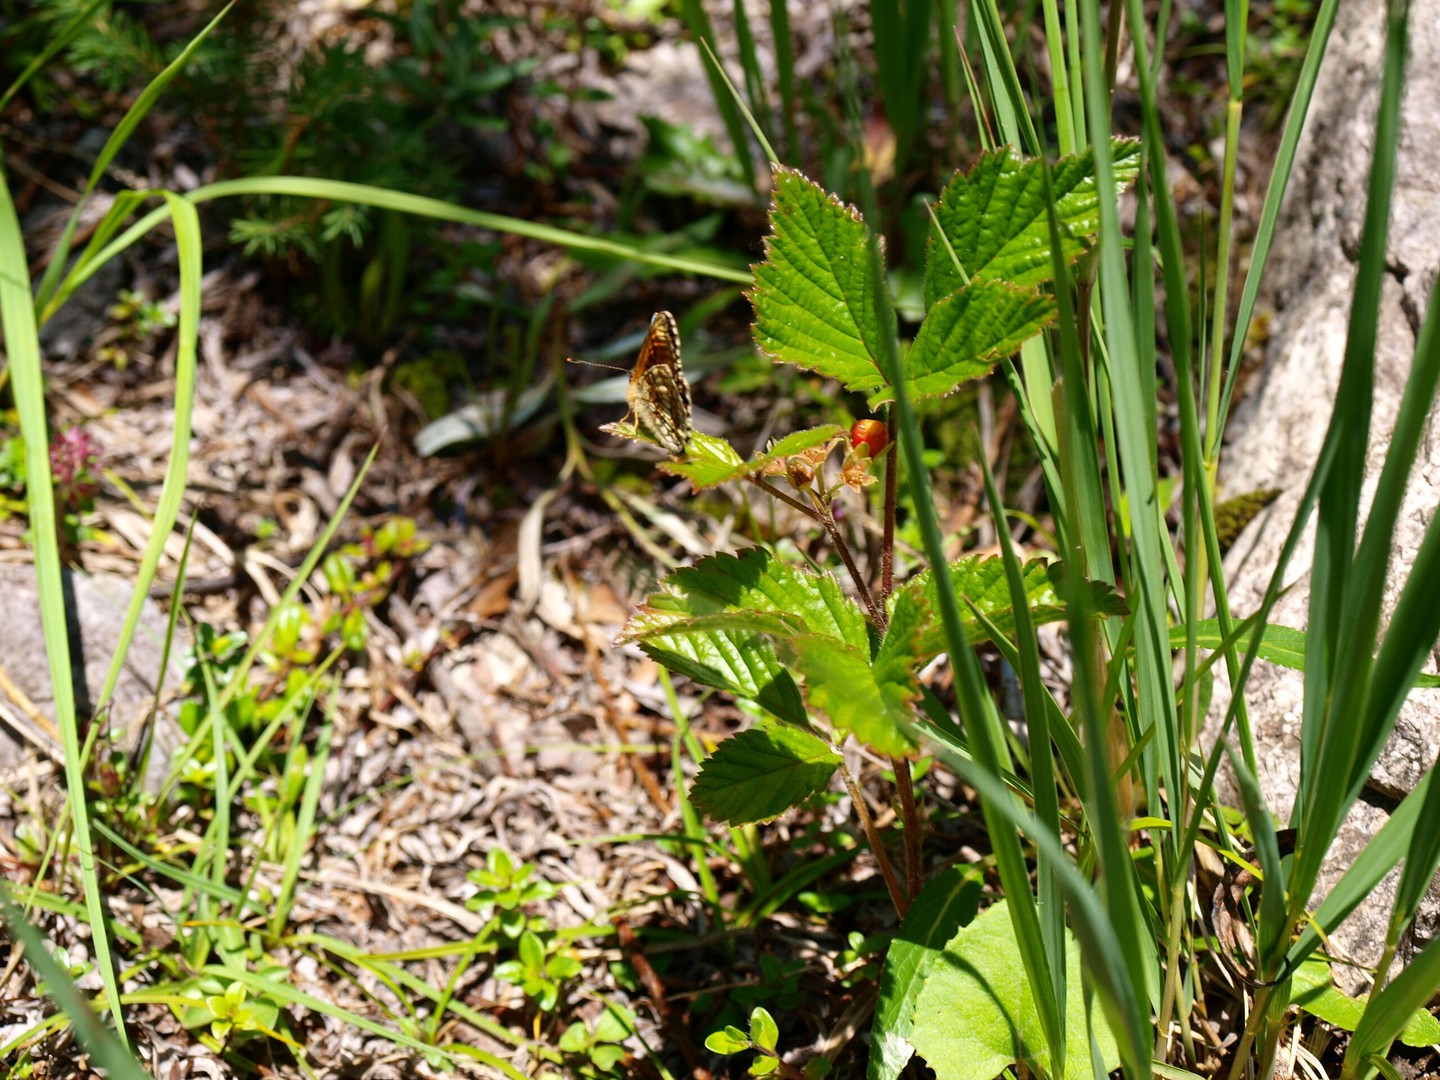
[791, 641]
[988, 261]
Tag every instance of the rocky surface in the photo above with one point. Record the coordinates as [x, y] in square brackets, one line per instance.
[1277, 432]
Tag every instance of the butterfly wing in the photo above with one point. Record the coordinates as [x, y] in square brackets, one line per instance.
[658, 394]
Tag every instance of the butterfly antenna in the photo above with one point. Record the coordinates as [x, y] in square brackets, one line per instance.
[592, 363]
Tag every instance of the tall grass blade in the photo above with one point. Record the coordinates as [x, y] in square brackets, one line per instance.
[305, 817]
[1339, 650]
[692, 12]
[982, 722]
[1389, 1010]
[118, 138]
[1102, 950]
[188, 243]
[1050, 908]
[22, 346]
[755, 128]
[902, 36]
[59, 41]
[1270, 213]
[1065, 103]
[109, 1052]
[1416, 622]
[364, 195]
[785, 74]
[1147, 595]
[758, 99]
[1010, 105]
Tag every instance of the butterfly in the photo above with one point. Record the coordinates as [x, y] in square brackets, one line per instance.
[658, 395]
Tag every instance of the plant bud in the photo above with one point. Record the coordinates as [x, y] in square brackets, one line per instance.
[801, 474]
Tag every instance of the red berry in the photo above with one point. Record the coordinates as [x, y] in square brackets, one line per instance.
[873, 433]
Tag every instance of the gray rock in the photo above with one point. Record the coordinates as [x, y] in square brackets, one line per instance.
[97, 606]
[1278, 431]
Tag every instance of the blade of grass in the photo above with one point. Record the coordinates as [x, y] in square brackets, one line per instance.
[110, 1053]
[397, 975]
[1065, 105]
[1342, 630]
[1101, 949]
[180, 876]
[283, 992]
[983, 724]
[1014, 115]
[1388, 1011]
[1269, 214]
[304, 830]
[758, 100]
[901, 38]
[188, 243]
[1050, 906]
[1147, 594]
[1384, 850]
[22, 347]
[693, 827]
[1133, 371]
[785, 74]
[755, 129]
[365, 195]
[56, 43]
[302, 575]
[692, 13]
[118, 138]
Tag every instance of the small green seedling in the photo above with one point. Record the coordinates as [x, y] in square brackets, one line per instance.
[505, 889]
[229, 1011]
[763, 1038]
[601, 1049]
[543, 965]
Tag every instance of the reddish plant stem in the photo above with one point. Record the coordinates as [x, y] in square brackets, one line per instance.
[914, 837]
[892, 487]
[887, 871]
[678, 1032]
[789, 500]
[904, 788]
[827, 518]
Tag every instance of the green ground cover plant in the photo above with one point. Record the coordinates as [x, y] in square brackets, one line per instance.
[1093, 821]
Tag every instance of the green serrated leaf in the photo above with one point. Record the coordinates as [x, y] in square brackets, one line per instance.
[741, 663]
[996, 221]
[980, 976]
[708, 460]
[968, 333]
[980, 581]
[760, 773]
[872, 703]
[948, 901]
[900, 648]
[661, 617]
[814, 294]
[713, 623]
[707, 466]
[758, 581]
[764, 1032]
[795, 443]
[730, 1041]
[1312, 990]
